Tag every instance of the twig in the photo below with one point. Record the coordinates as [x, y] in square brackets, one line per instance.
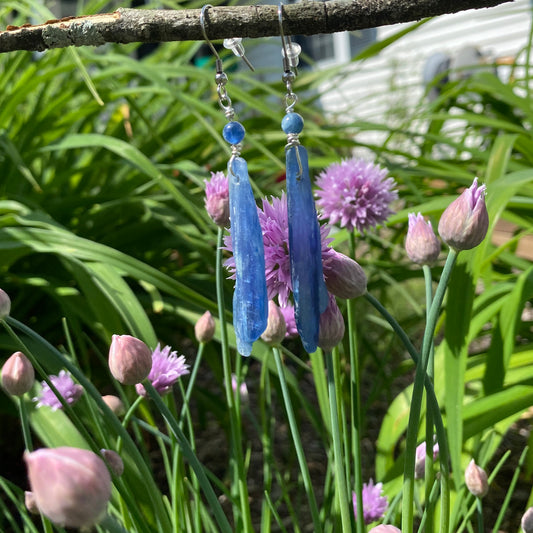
[303, 18]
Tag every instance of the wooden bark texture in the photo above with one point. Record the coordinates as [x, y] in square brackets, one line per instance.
[304, 18]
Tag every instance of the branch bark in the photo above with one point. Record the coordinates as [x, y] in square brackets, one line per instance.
[304, 18]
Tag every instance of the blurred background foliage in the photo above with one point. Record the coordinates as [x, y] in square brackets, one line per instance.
[102, 162]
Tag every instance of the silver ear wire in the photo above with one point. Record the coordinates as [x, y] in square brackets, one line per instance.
[290, 51]
[218, 61]
[235, 45]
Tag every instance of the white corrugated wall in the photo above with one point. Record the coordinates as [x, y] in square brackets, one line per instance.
[378, 88]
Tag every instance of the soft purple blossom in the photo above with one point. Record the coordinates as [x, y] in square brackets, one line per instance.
[356, 194]
[374, 504]
[274, 221]
[167, 368]
[290, 321]
[217, 198]
[65, 386]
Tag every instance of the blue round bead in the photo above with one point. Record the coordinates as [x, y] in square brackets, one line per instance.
[292, 123]
[233, 132]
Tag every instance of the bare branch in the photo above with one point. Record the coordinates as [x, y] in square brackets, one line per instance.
[304, 18]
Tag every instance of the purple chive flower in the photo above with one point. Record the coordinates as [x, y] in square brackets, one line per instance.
[274, 221]
[167, 368]
[290, 322]
[374, 504]
[217, 198]
[356, 194]
[66, 387]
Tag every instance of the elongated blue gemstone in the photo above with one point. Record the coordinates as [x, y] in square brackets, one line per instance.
[250, 305]
[305, 251]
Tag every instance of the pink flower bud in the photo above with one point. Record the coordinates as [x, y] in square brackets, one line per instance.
[476, 480]
[421, 243]
[217, 199]
[243, 389]
[71, 486]
[465, 222]
[204, 329]
[527, 521]
[114, 461]
[130, 360]
[276, 326]
[115, 404]
[385, 528]
[5, 304]
[18, 375]
[420, 458]
[30, 503]
[331, 330]
[344, 277]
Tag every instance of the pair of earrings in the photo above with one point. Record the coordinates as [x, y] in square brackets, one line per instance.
[250, 305]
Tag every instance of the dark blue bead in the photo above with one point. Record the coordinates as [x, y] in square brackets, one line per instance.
[233, 132]
[292, 123]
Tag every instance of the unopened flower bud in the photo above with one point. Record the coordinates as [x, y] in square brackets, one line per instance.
[527, 521]
[217, 199]
[420, 459]
[476, 480]
[18, 375]
[465, 222]
[71, 486]
[385, 528]
[243, 389]
[5, 304]
[114, 461]
[30, 503]
[344, 277]
[130, 360]
[115, 404]
[421, 243]
[276, 326]
[204, 329]
[331, 329]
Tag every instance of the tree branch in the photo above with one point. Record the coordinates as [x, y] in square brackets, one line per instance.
[304, 18]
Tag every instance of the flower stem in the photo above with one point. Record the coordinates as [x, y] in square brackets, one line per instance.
[355, 404]
[416, 401]
[340, 479]
[429, 474]
[308, 485]
[241, 487]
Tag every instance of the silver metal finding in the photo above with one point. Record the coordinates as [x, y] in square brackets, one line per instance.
[235, 45]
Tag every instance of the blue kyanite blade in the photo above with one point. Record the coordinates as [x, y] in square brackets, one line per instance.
[250, 305]
[310, 293]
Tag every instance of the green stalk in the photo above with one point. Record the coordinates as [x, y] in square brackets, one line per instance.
[429, 477]
[25, 423]
[416, 401]
[189, 455]
[308, 485]
[480, 524]
[442, 438]
[192, 381]
[355, 405]
[340, 480]
[234, 414]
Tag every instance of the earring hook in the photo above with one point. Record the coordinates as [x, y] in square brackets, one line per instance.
[290, 51]
[232, 44]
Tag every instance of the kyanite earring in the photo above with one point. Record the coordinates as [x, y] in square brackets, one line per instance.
[250, 304]
[305, 250]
